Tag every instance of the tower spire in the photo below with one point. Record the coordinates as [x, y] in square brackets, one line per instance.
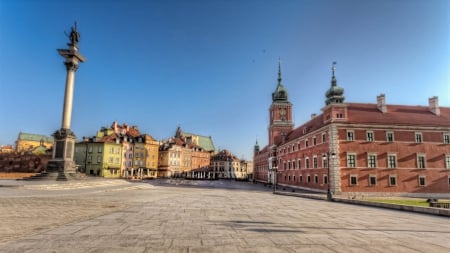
[333, 78]
[279, 70]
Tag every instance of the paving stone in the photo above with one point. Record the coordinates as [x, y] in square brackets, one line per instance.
[128, 217]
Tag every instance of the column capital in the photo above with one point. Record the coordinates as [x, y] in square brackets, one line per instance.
[71, 66]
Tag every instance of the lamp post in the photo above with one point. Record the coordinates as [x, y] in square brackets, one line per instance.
[327, 156]
[274, 169]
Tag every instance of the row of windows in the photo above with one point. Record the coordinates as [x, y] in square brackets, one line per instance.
[298, 164]
[298, 146]
[111, 160]
[370, 137]
[392, 180]
[353, 180]
[372, 161]
[308, 179]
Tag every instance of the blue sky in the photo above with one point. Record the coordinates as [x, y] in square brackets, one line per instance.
[211, 66]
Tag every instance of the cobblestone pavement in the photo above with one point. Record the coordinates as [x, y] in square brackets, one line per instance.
[201, 216]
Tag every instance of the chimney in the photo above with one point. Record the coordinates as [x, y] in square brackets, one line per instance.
[433, 105]
[381, 103]
[313, 115]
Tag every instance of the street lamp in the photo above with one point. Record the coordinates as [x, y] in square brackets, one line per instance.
[274, 178]
[327, 156]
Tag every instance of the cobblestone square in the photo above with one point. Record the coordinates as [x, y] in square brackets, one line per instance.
[200, 216]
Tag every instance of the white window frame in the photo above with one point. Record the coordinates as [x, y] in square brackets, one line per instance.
[447, 161]
[387, 136]
[370, 177]
[424, 180]
[372, 136]
[419, 163]
[392, 176]
[350, 135]
[446, 138]
[368, 160]
[350, 180]
[389, 161]
[418, 137]
[350, 154]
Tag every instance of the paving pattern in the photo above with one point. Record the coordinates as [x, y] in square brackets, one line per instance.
[175, 216]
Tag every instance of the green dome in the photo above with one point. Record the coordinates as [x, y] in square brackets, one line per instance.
[335, 94]
[280, 93]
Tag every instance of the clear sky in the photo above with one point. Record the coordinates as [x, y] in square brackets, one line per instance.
[210, 66]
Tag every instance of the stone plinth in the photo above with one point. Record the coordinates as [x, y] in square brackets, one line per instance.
[62, 162]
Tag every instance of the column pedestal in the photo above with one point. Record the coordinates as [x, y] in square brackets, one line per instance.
[62, 165]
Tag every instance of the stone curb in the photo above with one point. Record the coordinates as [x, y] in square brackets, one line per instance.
[416, 209]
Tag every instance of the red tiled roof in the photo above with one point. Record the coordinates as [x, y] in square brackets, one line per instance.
[397, 115]
[359, 113]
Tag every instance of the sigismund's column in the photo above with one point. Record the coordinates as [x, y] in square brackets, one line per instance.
[64, 146]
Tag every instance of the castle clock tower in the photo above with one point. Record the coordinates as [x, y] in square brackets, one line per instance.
[280, 113]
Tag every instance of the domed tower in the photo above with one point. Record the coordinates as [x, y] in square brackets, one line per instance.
[280, 113]
[335, 94]
[256, 149]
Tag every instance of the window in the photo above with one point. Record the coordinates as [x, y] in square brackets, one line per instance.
[298, 146]
[323, 138]
[90, 149]
[446, 138]
[422, 181]
[307, 163]
[316, 179]
[351, 160]
[300, 178]
[325, 179]
[99, 149]
[350, 135]
[418, 137]
[315, 161]
[293, 165]
[314, 141]
[284, 165]
[99, 159]
[392, 161]
[289, 165]
[447, 161]
[324, 161]
[309, 179]
[372, 180]
[306, 143]
[289, 178]
[371, 160]
[390, 136]
[110, 159]
[392, 180]
[299, 164]
[353, 180]
[369, 136]
[421, 161]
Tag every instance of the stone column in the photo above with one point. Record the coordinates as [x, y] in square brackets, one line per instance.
[71, 66]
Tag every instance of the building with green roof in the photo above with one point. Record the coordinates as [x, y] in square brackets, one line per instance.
[29, 141]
